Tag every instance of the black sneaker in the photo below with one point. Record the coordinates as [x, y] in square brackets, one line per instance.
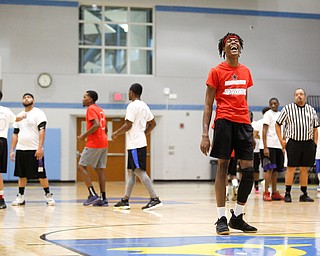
[2, 204]
[305, 198]
[287, 198]
[123, 204]
[153, 203]
[239, 223]
[222, 226]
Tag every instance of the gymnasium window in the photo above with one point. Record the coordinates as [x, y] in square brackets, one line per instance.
[116, 40]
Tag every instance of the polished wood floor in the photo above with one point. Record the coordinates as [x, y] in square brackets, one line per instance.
[184, 225]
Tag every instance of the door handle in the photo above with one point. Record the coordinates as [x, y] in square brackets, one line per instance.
[116, 154]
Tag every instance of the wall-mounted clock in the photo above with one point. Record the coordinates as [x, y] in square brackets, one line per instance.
[44, 80]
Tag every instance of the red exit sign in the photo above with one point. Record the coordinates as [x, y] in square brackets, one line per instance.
[118, 97]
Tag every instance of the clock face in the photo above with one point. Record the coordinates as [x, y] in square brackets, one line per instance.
[44, 80]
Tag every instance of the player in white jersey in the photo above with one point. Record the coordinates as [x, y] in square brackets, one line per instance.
[28, 139]
[139, 122]
[257, 134]
[256, 156]
[272, 152]
[7, 117]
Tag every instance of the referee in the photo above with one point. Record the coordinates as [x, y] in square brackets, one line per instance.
[301, 122]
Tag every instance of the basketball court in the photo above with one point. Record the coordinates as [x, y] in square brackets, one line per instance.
[184, 225]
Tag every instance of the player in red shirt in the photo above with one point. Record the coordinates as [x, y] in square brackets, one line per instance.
[228, 84]
[95, 152]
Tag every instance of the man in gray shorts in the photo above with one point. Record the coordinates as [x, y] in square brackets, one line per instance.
[96, 149]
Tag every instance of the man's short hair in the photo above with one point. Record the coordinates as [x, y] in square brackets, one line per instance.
[1, 95]
[93, 95]
[28, 94]
[304, 92]
[274, 98]
[136, 89]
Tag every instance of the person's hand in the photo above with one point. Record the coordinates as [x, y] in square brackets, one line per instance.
[39, 153]
[205, 145]
[283, 144]
[12, 156]
[21, 116]
[114, 135]
[81, 137]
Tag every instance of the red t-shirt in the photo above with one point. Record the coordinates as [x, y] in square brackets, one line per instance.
[99, 138]
[231, 86]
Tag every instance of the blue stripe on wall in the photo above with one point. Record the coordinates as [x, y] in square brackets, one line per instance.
[161, 8]
[117, 106]
[178, 9]
[42, 3]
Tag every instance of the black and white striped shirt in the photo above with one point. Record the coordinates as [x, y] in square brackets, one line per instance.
[299, 122]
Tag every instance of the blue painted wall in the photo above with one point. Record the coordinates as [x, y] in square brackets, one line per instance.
[52, 154]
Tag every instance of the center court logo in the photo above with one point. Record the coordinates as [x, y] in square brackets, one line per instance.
[217, 249]
[208, 245]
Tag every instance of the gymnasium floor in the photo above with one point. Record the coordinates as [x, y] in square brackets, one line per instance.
[183, 226]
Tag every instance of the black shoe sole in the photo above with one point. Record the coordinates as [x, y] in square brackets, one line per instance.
[244, 231]
[289, 200]
[24, 203]
[152, 207]
[100, 205]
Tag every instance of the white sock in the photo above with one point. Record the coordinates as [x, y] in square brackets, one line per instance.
[235, 182]
[221, 212]
[239, 209]
[227, 190]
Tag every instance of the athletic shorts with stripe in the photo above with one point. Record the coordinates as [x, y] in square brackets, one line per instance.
[26, 165]
[274, 162]
[137, 158]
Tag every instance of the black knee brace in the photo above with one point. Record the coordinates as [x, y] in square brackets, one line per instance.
[245, 185]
